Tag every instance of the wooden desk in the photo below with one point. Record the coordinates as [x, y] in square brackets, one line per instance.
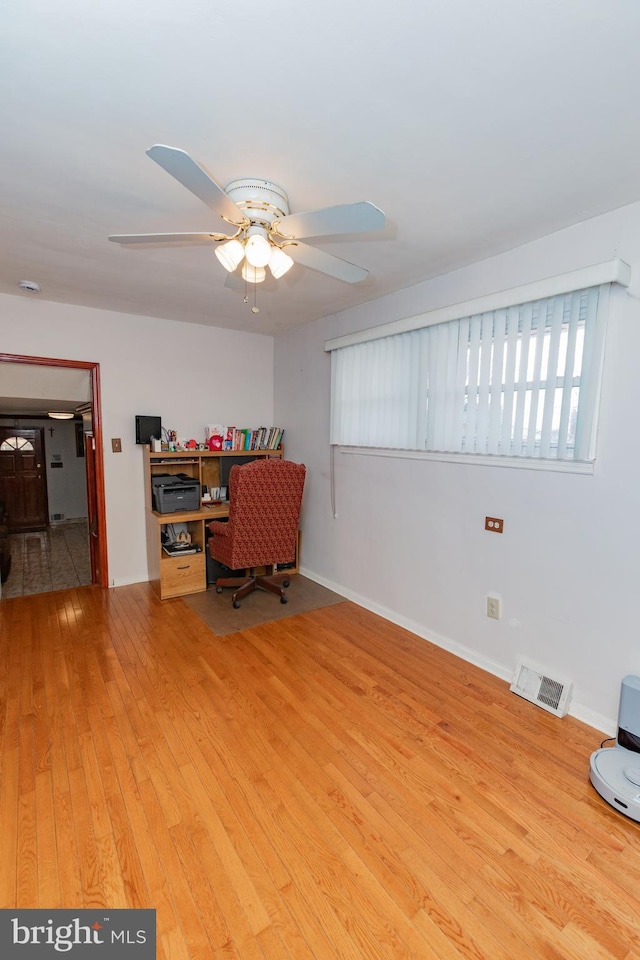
[177, 576]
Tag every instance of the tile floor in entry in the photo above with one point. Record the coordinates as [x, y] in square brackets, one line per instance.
[52, 559]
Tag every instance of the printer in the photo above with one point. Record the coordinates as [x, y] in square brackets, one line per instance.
[172, 492]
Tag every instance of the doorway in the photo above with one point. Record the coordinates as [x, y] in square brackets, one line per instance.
[94, 463]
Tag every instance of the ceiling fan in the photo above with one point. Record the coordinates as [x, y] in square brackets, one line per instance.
[263, 232]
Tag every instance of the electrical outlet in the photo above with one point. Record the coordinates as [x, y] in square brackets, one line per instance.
[493, 607]
[494, 524]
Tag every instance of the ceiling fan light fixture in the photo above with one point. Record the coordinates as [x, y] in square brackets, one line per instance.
[230, 254]
[257, 248]
[258, 210]
[279, 263]
[253, 274]
[60, 415]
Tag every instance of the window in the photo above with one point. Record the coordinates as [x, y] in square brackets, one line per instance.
[517, 382]
[521, 380]
[16, 443]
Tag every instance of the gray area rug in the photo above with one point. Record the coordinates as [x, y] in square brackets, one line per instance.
[217, 611]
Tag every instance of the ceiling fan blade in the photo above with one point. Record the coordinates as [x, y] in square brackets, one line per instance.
[325, 262]
[187, 172]
[165, 237]
[344, 218]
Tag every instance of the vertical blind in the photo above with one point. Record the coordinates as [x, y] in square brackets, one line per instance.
[519, 381]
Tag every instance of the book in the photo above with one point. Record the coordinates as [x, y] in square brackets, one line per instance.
[252, 438]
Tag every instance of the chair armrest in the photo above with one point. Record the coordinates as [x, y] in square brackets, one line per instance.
[219, 529]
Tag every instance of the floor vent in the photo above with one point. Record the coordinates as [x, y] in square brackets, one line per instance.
[534, 685]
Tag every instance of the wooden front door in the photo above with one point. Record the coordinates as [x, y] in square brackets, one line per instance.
[23, 479]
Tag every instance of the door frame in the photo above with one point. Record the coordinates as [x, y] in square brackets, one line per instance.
[96, 410]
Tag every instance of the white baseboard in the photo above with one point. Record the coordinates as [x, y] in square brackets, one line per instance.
[127, 582]
[579, 711]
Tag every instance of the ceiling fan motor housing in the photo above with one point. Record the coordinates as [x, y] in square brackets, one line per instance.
[261, 200]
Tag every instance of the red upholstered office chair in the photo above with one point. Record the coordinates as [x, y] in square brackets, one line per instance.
[264, 508]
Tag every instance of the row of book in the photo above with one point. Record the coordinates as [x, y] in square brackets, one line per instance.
[245, 438]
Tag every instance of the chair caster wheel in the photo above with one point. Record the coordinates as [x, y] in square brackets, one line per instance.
[285, 583]
[236, 604]
[283, 600]
[218, 589]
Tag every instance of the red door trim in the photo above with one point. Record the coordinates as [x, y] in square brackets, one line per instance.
[94, 370]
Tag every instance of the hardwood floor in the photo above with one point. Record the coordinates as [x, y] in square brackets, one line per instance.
[327, 786]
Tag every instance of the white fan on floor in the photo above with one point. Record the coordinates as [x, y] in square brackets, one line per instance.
[263, 232]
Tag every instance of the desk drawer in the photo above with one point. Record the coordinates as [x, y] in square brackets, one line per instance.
[181, 575]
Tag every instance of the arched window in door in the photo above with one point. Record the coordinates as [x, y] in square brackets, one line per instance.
[16, 443]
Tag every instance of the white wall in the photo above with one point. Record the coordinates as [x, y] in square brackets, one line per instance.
[66, 485]
[409, 538]
[189, 375]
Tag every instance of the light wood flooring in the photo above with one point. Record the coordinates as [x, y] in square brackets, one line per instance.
[325, 787]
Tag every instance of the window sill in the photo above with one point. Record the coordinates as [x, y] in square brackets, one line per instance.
[582, 467]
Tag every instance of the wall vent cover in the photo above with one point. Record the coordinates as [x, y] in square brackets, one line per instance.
[532, 683]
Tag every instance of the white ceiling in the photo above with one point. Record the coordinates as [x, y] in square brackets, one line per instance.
[31, 389]
[476, 125]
